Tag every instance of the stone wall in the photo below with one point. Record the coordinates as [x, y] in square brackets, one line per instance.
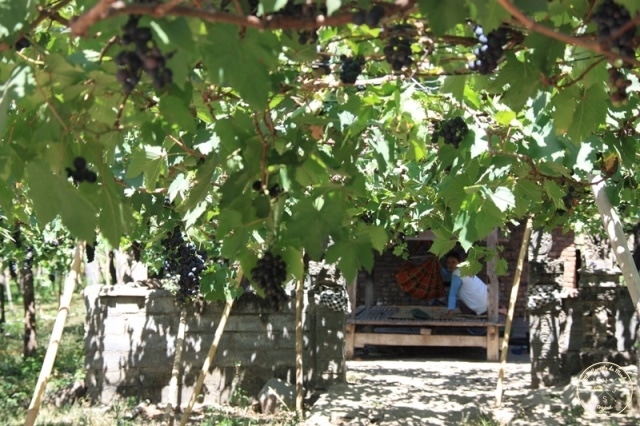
[572, 329]
[131, 334]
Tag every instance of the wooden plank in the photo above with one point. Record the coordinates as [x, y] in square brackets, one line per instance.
[424, 323]
[390, 339]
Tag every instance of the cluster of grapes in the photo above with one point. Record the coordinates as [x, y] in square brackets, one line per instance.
[610, 17]
[452, 131]
[618, 84]
[398, 52]
[183, 263]
[570, 199]
[21, 43]
[90, 252]
[144, 57]
[490, 51]
[269, 273]
[274, 190]
[371, 17]
[351, 68]
[81, 173]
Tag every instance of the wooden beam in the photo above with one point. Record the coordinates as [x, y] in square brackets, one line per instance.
[391, 339]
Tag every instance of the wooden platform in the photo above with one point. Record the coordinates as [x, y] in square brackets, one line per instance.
[398, 326]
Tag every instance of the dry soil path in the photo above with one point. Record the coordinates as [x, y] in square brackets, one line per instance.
[450, 390]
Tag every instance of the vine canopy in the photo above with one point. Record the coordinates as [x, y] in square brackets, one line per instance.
[283, 125]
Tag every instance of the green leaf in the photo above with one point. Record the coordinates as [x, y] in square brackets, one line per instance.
[116, 214]
[244, 63]
[15, 16]
[203, 183]
[78, 214]
[454, 85]
[177, 112]
[378, 236]
[512, 75]
[579, 111]
[150, 161]
[442, 17]
[41, 182]
[503, 199]
[269, 6]
[332, 6]
[490, 14]
[19, 85]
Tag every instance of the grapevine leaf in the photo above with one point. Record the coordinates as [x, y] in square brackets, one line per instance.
[116, 216]
[77, 213]
[511, 76]
[177, 112]
[19, 85]
[332, 6]
[40, 180]
[15, 15]
[490, 14]
[244, 63]
[442, 17]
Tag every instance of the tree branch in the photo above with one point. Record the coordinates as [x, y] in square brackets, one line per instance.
[531, 25]
[106, 9]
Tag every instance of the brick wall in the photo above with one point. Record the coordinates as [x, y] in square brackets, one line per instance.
[131, 333]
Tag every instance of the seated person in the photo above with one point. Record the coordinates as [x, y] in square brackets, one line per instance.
[470, 291]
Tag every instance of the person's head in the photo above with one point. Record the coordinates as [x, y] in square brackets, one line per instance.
[453, 258]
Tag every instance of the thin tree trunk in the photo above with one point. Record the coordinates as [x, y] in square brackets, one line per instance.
[618, 238]
[56, 334]
[175, 371]
[25, 277]
[512, 306]
[299, 348]
[7, 290]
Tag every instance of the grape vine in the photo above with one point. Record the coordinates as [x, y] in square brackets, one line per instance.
[398, 50]
[145, 56]
[452, 131]
[610, 18]
[80, 172]
[351, 68]
[183, 263]
[269, 274]
[490, 51]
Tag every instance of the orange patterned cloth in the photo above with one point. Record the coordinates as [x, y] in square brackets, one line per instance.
[422, 281]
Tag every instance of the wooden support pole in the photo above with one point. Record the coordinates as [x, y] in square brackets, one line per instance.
[512, 304]
[618, 239]
[210, 355]
[56, 335]
[299, 348]
[173, 400]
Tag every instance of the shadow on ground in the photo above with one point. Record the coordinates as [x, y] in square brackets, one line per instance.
[447, 386]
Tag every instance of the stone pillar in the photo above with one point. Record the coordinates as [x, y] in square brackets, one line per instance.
[599, 294]
[544, 307]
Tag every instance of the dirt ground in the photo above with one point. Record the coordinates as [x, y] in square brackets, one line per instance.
[454, 386]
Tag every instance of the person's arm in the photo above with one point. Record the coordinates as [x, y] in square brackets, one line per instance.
[456, 282]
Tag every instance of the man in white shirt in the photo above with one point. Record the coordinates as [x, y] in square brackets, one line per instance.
[470, 290]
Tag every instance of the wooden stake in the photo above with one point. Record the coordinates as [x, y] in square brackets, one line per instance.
[210, 355]
[299, 348]
[175, 371]
[618, 239]
[56, 334]
[512, 304]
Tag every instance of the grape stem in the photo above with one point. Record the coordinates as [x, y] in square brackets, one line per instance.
[565, 38]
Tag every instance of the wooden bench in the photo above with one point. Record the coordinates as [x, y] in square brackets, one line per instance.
[398, 327]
